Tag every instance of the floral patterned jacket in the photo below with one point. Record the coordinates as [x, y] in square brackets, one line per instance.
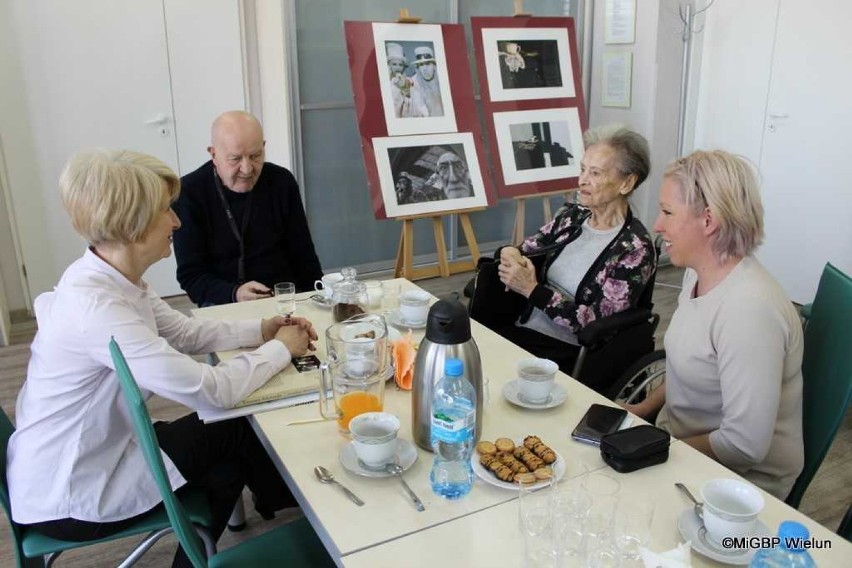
[613, 283]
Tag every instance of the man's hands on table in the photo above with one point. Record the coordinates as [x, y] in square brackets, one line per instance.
[297, 334]
[252, 291]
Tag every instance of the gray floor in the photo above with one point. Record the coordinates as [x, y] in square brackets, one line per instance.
[826, 500]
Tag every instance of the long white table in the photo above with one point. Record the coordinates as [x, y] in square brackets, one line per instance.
[388, 530]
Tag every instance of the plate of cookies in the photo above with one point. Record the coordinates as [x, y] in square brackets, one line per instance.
[508, 463]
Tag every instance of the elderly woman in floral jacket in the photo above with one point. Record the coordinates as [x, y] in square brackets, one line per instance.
[601, 256]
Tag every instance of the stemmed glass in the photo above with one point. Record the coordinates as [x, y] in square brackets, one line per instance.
[285, 298]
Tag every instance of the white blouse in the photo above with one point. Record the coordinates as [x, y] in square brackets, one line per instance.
[74, 453]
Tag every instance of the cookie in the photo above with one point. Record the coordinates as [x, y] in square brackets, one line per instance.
[543, 473]
[525, 478]
[504, 444]
[484, 447]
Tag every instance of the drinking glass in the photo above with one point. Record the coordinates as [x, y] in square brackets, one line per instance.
[390, 295]
[285, 298]
[603, 494]
[374, 294]
[534, 506]
[634, 516]
[569, 507]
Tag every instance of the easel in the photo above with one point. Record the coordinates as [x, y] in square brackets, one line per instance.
[405, 253]
[518, 233]
[519, 10]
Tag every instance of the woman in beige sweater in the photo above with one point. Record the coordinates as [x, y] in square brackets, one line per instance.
[733, 385]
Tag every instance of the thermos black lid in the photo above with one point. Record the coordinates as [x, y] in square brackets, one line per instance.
[448, 323]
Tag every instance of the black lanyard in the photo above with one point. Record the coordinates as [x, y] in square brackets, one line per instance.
[239, 234]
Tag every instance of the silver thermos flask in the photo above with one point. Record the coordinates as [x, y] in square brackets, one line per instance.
[447, 336]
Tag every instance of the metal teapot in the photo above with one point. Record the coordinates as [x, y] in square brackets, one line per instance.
[447, 336]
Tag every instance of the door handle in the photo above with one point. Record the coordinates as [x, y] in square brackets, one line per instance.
[159, 119]
[778, 115]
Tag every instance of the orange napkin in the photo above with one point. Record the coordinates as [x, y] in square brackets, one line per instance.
[403, 361]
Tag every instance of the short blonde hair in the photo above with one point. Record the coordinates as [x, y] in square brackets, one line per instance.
[727, 184]
[113, 196]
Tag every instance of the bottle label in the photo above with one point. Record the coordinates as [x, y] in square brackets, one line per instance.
[449, 430]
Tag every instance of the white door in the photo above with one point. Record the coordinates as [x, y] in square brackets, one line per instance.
[96, 74]
[805, 161]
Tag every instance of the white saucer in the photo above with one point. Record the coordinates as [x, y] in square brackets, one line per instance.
[692, 529]
[406, 455]
[557, 397]
[321, 301]
[558, 467]
[395, 319]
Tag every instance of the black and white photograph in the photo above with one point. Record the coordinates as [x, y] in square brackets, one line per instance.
[539, 145]
[527, 63]
[428, 174]
[413, 79]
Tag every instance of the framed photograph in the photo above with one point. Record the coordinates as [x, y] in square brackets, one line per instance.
[429, 174]
[527, 63]
[413, 78]
[617, 79]
[539, 145]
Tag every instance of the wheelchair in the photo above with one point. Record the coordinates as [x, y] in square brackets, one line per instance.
[640, 379]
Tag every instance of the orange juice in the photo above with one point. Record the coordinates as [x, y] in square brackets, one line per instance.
[354, 403]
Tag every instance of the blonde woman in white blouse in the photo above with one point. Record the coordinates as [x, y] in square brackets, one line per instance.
[75, 470]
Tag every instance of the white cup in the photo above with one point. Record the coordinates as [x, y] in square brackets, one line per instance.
[414, 306]
[730, 509]
[327, 282]
[374, 437]
[536, 378]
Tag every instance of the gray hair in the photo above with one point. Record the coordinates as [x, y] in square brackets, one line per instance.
[727, 184]
[631, 149]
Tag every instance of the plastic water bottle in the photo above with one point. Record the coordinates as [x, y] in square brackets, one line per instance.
[453, 420]
[790, 552]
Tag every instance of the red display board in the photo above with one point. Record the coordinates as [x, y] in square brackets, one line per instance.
[420, 134]
[529, 77]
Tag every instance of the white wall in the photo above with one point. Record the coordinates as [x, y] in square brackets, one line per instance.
[655, 90]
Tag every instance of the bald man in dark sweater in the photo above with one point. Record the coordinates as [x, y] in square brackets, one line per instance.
[243, 226]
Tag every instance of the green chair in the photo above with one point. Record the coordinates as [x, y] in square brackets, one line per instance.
[294, 544]
[34, 549]
[827, 372]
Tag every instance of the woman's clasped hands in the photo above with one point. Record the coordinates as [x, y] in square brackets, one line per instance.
[297, 334]
[516, 272]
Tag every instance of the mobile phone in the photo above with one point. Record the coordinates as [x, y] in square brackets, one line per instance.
[598, 421]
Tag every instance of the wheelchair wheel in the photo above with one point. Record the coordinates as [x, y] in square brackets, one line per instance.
[640, 379]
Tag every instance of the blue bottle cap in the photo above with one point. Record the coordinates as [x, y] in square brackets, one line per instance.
[791, 531]
[453, 367]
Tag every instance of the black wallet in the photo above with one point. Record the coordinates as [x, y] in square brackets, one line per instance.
[634, 448]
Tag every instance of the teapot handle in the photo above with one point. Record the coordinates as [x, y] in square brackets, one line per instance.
[324, 387]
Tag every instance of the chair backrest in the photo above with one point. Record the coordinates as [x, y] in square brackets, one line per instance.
[827, 372]
[183, 527]
[6, 430]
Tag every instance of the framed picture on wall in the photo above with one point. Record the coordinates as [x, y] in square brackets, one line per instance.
[539, 145]
[429, 174]
[527, 63]
[413, 78]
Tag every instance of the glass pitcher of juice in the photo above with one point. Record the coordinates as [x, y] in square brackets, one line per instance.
[355, 370]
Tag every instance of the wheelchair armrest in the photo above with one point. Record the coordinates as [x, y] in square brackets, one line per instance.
[602, 330]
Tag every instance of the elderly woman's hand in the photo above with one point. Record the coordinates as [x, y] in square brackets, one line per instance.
[517, 274]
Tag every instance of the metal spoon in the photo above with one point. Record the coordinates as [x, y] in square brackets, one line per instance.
[699, 506]
[396, 469]
[325, 476]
